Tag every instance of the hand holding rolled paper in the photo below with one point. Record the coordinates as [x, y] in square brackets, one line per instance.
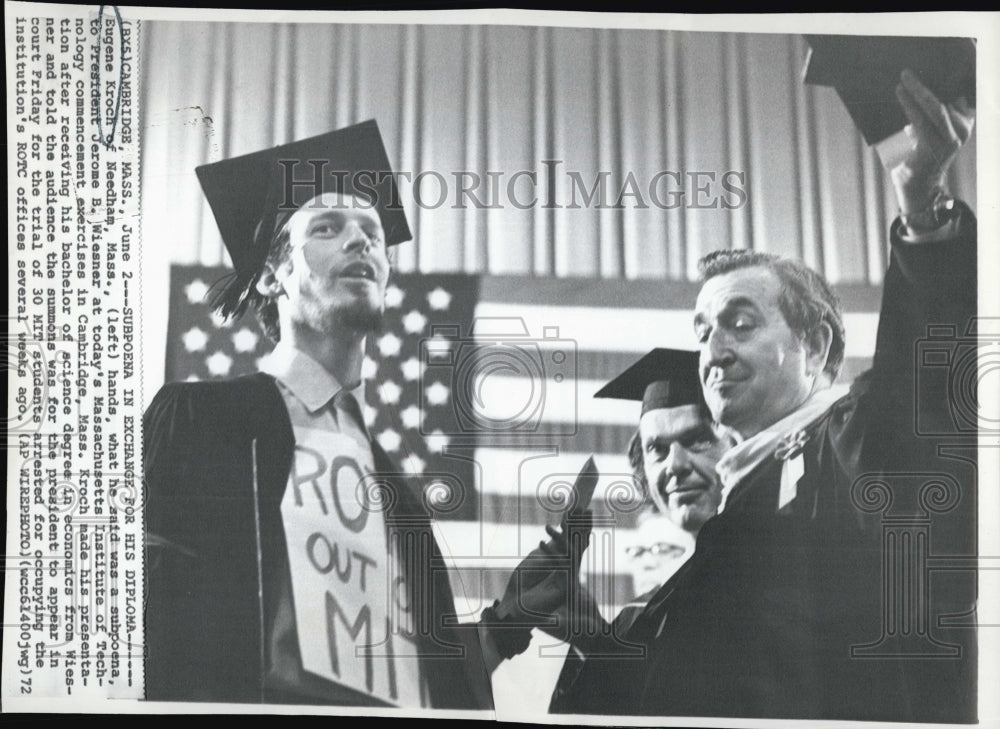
[912, 98]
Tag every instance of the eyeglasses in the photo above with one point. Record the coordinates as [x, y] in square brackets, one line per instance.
[658, 549]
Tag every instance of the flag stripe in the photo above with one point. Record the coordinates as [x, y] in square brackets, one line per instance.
[513, 403]
[588, 438]
[530, 511]
[526, 472]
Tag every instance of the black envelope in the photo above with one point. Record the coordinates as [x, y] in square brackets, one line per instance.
[865, 70]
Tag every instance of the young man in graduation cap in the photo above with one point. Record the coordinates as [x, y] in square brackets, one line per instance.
[288, 560]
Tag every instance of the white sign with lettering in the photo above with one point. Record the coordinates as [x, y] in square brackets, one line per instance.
[343, 579]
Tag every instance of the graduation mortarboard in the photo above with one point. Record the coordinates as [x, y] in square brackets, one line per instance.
[865, 70]
[663, 378]
[252, 196]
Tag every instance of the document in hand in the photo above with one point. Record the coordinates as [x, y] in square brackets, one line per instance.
[864, 70]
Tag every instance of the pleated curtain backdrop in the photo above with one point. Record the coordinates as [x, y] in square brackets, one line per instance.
[501, 100]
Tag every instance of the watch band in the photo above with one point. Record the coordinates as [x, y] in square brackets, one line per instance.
[941, 210]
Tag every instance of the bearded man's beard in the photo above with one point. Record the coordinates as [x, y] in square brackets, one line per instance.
[360, 317]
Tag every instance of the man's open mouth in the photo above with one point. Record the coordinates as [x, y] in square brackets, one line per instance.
[358, 270]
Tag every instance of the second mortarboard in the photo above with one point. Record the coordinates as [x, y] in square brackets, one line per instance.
[663, 378]
[864, 70]
[253, 195]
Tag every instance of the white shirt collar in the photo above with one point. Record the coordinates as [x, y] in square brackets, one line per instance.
[307, 379]
[744, 457]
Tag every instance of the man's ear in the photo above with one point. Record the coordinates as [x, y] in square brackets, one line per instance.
[818, 348]
[270, 282]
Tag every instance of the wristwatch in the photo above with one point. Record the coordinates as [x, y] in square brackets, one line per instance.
[941, 210]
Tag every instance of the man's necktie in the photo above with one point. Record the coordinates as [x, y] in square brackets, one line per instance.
[344, 402]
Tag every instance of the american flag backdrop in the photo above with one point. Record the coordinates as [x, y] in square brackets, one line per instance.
[484, 385]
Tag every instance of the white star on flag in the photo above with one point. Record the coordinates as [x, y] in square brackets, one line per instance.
[368, 368]
[436, 441]
[413, 464]
[412, 369]
[195, 291]
[437, 347]
[389, 345]
[194, 340]
[219, 363]
[439, 299]
[393, 297]
[436, 394]
[370, 415]
[389, 440]
[412, 417]
[414, 322]
[245, 341]
[389, 392]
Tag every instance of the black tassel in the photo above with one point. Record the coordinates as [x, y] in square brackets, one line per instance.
[232, 294]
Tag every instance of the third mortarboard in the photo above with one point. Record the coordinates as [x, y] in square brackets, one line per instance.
[864, 70]
[253, 195]
[663, 378]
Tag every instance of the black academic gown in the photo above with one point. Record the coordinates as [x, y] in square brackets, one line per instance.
[762, 620]
[215, 548]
